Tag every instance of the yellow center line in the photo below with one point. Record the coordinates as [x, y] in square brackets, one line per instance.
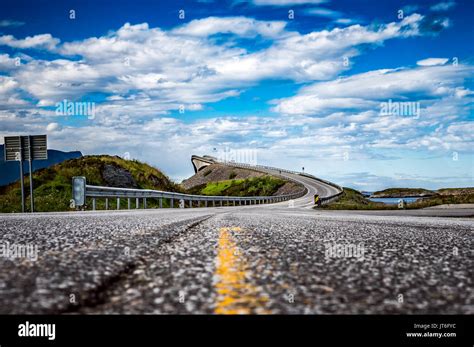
[235, 294]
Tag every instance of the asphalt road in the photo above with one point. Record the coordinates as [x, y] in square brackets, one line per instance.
[313, 187]
[278, 258]
[251, 259]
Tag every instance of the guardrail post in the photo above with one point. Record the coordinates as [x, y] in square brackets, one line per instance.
[144, 203]
[171, 202]
[118, 203]
[106, 203]
[93, 204]
[161, 202]
[234, 202]
[221, 203]
[240, 202]
[137, 203]
[205, 203]
[129, 203]
[190, 203]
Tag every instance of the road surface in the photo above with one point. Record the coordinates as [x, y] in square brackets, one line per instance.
[250, 259]
[279, 258]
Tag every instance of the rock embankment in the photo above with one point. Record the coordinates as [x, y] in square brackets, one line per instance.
[218, 172]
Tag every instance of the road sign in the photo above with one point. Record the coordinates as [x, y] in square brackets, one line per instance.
[317, 201]
[79, 190]
[20, 148]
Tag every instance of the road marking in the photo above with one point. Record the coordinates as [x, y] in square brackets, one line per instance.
[235, 294]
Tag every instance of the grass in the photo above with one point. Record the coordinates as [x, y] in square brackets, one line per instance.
[351, 199]
[255, 186]
[442, 200]
[53, 185]
[402, 192]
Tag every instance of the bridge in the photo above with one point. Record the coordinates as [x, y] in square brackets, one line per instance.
[304, 197]
[260, 255]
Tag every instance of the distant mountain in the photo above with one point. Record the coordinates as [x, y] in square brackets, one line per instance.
[10, 171]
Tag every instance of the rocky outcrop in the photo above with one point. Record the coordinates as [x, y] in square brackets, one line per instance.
[218, 172]
[115, 176]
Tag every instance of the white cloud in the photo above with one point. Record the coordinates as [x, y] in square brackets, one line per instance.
[144, 73]
[323, 12]
[287, 2]
[366, 90]
[443, 6]
[52, 127]
[43, 41]
[161, 70]
[241, 26]
[432, 61]
[10, 23]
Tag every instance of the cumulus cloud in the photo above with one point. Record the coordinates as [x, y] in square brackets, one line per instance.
[52, 127]
[43, 41]
[163, 71]
[141, 74]
[241, 26]
[366, 90]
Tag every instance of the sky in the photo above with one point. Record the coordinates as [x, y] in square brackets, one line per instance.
[367, 94]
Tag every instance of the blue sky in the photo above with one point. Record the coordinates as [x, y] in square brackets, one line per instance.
[299, 82]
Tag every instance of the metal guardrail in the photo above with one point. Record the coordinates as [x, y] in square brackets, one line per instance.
[82, 191]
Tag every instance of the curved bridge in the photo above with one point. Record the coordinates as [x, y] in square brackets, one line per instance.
[311, 185]
[326, 190]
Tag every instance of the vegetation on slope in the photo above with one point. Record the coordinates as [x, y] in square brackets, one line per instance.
[254, 186]
[439, 199]
[402, 192]
[351, 199]
[53, 185]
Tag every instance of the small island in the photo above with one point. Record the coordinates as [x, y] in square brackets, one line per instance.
[403, 193]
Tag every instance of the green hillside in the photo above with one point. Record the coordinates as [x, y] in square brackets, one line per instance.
[53, 185]
[402, 192]
[255, 186]
[351, 199]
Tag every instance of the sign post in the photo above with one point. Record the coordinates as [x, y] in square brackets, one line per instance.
[22, 176]
[20, 148]
[30, 164]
